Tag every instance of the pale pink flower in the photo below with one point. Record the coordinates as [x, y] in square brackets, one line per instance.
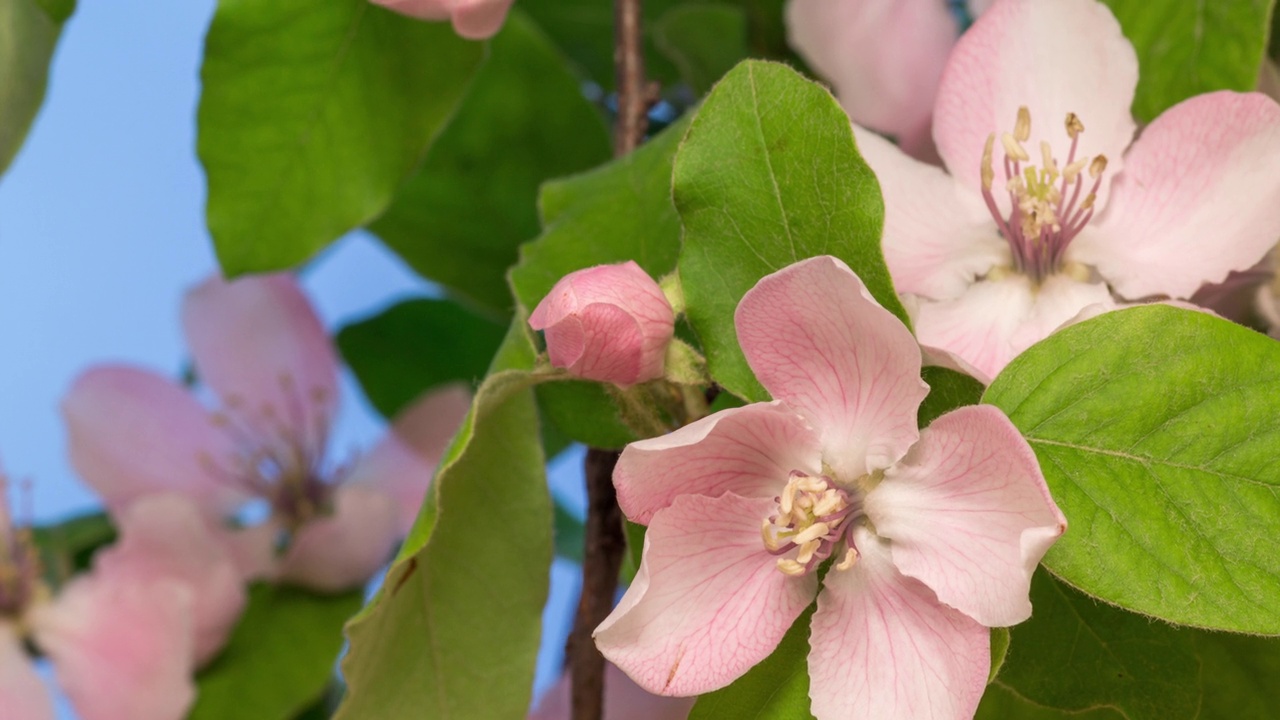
[259, 346]
[623, 700]
[609, 323]
[472, 19]
[932, 536]
[1045, 211]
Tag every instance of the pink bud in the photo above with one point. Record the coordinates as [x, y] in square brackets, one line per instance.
[472, 19]
[609, 323]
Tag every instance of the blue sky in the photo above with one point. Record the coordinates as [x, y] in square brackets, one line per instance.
[102, 228]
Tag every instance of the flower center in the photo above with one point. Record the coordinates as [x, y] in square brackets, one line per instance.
[19, 563]
[814, 516]
[279, 453]
[1046, 209]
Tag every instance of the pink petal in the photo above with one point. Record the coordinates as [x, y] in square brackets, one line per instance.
[623, 700]
[404, 461]
[421, 9]
[995, 320]
[749, 451]
[121, 651]
[479, 19]
[133, 432]
[1196, 200]
[967, 512]
[259, 344]
[22, 694]
[883, 647]
[883, 58]
[164, 537]
[938, 235]
[342, 551]
[818, 342]
[708, 602]
[1052, 56]
[253, 550]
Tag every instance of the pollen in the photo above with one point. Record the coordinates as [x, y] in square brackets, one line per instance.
[814, 516]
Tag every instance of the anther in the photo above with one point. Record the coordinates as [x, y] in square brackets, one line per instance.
[1022, 128]
[1074, 126]
[988, 173]
[850, 558]
[1013, 149]
[790, 567]
[1097, 167]
[1072, 171]
[1046, 157]
[813, 532]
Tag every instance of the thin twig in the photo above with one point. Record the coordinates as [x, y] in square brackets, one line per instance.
[634, 96]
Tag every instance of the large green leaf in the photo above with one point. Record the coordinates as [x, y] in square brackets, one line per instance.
[703, 41]
[29, 31]
[416, 345]
[461, 218]
[280, 657]
[1001, 703]
[776, 689]
[768, 175]
[1187, 48]
[1238, 676]
[312, 113]
[454, 631]
[1157, 431]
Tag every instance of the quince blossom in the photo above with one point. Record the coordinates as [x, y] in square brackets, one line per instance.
[259, 346]
[931, 535]
[1044, 211]
[472, 19]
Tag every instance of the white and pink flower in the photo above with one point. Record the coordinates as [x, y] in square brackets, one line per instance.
[259, 346]
[472, 19]
[1047, 207]
[931, 535]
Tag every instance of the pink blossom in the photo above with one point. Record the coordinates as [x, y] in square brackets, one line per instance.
[609, 323]
[1045, 211]
[472, 19]
[623, 700]
[932, 535]
[259, 346]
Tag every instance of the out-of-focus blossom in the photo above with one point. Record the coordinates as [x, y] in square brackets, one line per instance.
[472, 19]
[609, 323]
[623, 700]
[259, 346]
[932, 535]
[1044, 211]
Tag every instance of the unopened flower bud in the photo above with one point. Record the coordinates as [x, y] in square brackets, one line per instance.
[609, 323]
[472, 19]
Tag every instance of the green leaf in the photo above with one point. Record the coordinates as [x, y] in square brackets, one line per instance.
[280, 657]
[1075, 654]
[768, 175]
[1238, 675]
[417, 345]
[68, 547]
[454, 631]
[312, 113]
[1157, 430]
[703, 41]
[29, 31]
[776, 689]
[1001, 703]
[1188, 48]
[461, 218]
[948, 390]
[570, 535]
[584, 412]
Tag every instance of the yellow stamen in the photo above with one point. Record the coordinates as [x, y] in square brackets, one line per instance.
[1074, 126]
[1013, 149]
[1022, 128]
[1097, 167]
[988, 174]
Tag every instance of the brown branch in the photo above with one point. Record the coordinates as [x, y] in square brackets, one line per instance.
[605, 544]
[634, 96]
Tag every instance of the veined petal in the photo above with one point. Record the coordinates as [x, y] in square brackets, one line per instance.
[1053, 57]
[344, 550]
[132, 432]
[820, 343]
[995, 320]
[749, 451]
[967, 512]
[120, 650]
[259, 344]
[1197, 198]
[883, 57]
[404, 461]
[938, 235]
[883, 647]
[22, 693]
[708, 602]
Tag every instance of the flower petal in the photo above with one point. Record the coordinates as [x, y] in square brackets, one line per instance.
[164, 537]
[968, 513]
[259, 344]
[995, 320]
[818, 342]
[132, 432]
[421, 9]
[708, 602]
[1052, 56]
[623, 700]
[1196, 200]
[22, 694]
[344, 550]
[883, 647]
[479, 19]
[749, 451]
[938, 235]
[883, 57]
[404, 461]
[120, 650]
